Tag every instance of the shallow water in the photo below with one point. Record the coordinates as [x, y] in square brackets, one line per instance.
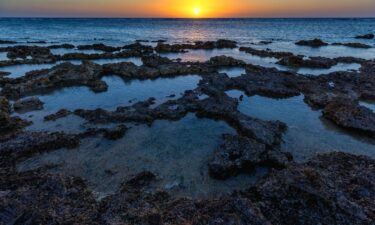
[119, 93]
[205, 55]
[20, 70]
[335, 68]
[62, 51]
[177, 152]
[3, 56]
[233, 71]
[368, 104]
[326, 51]
[308, 133]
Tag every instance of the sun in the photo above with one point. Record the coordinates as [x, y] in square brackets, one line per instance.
[196, 11]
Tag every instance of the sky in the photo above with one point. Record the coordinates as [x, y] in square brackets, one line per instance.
[187, 8]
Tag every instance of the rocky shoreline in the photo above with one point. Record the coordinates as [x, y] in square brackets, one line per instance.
[332, 188]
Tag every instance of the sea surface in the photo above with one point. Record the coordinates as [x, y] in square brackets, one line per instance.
[178, 151]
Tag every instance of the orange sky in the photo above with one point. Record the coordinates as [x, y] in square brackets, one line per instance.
[184, 8]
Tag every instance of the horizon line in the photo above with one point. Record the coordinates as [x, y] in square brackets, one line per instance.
[108, 17]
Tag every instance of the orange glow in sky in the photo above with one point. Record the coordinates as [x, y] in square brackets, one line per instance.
[188, 8]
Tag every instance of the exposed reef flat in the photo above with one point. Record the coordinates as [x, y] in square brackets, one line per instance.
[331, 188]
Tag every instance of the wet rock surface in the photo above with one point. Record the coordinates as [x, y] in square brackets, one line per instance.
[163, 48]
[349, 114]
[353, 45]
[28, 104]
[312, 43]
[241, 155]
[366, 36]
[335, 188]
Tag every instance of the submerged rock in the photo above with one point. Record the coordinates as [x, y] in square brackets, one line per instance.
[241, 155]
[116, 133]
[59, 114]
[312, 43]
[28, 104]
[366, 36]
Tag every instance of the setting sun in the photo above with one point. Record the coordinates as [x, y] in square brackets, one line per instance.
[196, 11]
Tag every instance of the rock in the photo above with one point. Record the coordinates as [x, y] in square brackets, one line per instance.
[265, 42]
[312, 62]
[312, 43]
[66, 46]
[9, 126]
[221, 43]
[4, 105]
[47, 199]
[268, 82]
[28, 143]
[142, 207]
[98, 47]
[60, 114]
[117, 133]
[155, 60]
[333, 188]
[353, 45]
[366, 36]
[62, 75]
[3, 74]
[241, 155]
[35, 52]
[7, 42]
[265, 53]
[349, 114]
[222, 61]
[28, 104]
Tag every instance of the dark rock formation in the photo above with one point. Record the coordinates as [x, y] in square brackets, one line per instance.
[65, 74]
[3, 74]
[66, 46]
[28, 143]
[35, 52]
[312, 43]
[265, 53]
[267, 82]
[366, 36]
[312, 62]
[225, 61]
[60, 114]
[334, 188]
[349, 114]
[7, 42]
[353, 45]
[241, 155]
[28, 104]
[46, 199]
[164, 48]
[116, 133]
[99, 47]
